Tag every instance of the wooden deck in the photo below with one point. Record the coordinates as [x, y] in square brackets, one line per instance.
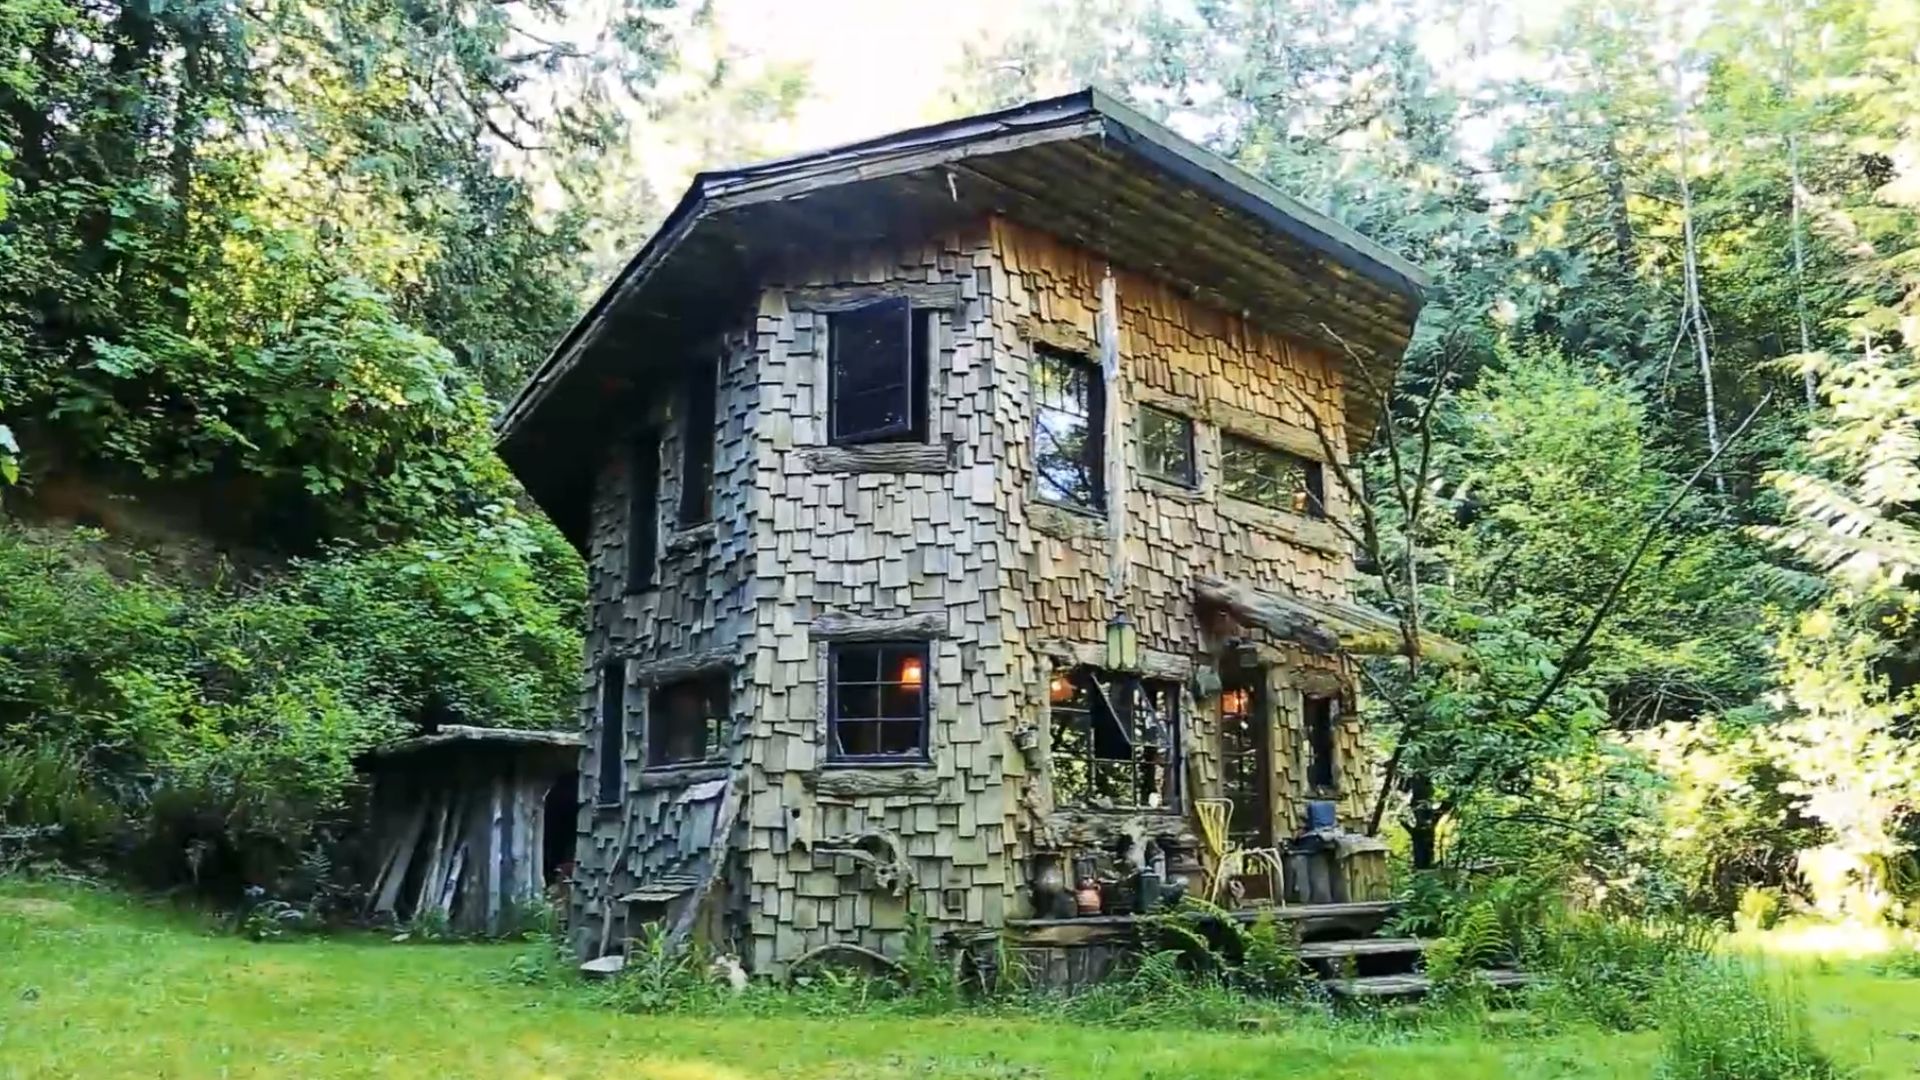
[1361, 917]
[1414, 984]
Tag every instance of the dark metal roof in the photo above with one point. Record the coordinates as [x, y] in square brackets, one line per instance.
[1084, 166]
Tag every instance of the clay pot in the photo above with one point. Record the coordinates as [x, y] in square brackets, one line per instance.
[1087, 899]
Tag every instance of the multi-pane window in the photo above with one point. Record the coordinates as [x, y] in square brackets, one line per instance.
[613, 734]
[1069, 415]
[877, 701]
[643, 511]
[1322, 714]
[1166, 445]
[1258, 473]
[878, 356]
[687, 721]
[1114, 740]
[696, 448]
[1244, 764]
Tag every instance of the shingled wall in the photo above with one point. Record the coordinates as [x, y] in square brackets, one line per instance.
[941, 542]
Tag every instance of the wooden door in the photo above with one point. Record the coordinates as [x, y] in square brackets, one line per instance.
[1246, 758]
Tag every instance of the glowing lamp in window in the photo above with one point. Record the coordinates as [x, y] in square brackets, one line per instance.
[913, 671]
[1060, 689]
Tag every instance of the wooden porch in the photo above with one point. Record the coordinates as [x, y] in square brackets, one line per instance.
[1339, 942]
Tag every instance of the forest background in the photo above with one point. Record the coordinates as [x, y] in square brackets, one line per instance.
[271, 269]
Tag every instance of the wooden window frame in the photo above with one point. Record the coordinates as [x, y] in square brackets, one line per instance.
[1094, 455]
[1192, 478]
[699, 430]
[1312, 471]
[1320, 717]
[917, 379]
[1122, 691]
[836, 651]
[643, 512]
[716, 683]
[610, 781]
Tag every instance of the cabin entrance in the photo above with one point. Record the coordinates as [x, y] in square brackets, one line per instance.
[1246, 755]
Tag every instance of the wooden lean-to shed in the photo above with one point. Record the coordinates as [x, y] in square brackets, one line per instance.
[960, 516]
[460, 825]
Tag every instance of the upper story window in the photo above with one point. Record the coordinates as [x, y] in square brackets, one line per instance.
[1114, 740]
[1258, 473]
[613, 735]
[1069, 422]
[1166, 445]
[696, 447]
[687, 721]
[643, 510]
[877, 374]
[877, 701]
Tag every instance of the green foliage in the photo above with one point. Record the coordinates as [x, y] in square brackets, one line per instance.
[1209, 943]
[47, 796]
[1725, 1020]
[1610, 971]
[224, 722]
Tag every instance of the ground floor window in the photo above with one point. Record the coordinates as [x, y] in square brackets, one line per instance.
[1322, 762]
[1115, 740]
[877, 701]
[687, 720]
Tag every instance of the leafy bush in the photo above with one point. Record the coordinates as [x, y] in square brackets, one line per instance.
[223, 722]
[1208, 942]
[1610, 971]
[1724, 1020]
[47, 796]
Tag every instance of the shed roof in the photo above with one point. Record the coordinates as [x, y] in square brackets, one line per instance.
[1083, 166]
[463, 735]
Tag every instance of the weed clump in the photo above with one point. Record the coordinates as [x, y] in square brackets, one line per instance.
[1726, 1020]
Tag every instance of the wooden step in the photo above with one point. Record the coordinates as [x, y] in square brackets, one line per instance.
[1415, 985]
[1340, 950]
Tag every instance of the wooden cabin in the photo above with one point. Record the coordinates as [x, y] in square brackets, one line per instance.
[961, 519]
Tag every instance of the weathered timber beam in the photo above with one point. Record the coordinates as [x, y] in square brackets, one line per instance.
[675, 668]
[944, 295]
[1154, 663]
[845, 626]
[883, 458]
[1270, 613]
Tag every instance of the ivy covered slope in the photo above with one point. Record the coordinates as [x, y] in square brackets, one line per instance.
[269, 269]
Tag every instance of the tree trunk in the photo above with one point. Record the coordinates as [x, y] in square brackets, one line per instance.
[1800, 265]
[1696, 314]
[1422, 821]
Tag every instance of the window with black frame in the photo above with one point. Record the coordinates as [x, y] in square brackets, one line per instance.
[1069, 421]
[1166, 445]
[1323, 713]
[877, 373]
[696, 447]
[1257, 473]
[877, 701]
[611, 762]
[1115, 740]
[687, 721]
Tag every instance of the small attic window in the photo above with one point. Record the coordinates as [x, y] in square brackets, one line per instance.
[1268, 476]
[877, 373]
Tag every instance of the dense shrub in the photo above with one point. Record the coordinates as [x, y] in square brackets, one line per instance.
[1724, 1020]
[224, 721]
[1610, 971]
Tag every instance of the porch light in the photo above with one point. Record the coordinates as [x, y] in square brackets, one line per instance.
[1123, 643]
[912, 671]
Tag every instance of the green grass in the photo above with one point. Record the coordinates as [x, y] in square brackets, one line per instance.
[97, 984]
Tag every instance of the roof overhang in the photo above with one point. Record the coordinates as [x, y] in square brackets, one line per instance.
[1083, 166]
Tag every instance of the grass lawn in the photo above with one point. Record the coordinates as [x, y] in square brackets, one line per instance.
[95, 984]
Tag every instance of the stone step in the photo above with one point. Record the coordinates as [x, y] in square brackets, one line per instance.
[1340, 950]
[1413, 985]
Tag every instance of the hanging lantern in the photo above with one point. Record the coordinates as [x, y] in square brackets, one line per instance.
[1123, 643]
[913, 671]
